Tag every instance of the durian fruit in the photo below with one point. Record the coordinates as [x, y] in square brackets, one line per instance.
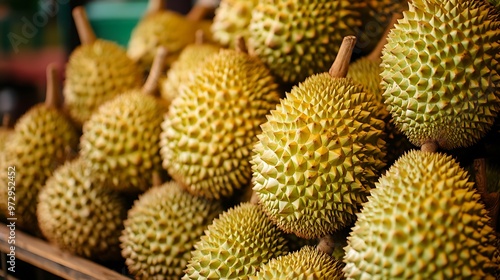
[424, 220]
[232, 20]
[44, 138]
[80, 215]
[319, 153]
[6, 132]
[235, 245]
[211, 127]
[161, 230]
[183, 69]
[297, 39]
[160, 27]
[97, 71]
[441, 72]
[495, 3]
[308, 263]
[122, 139]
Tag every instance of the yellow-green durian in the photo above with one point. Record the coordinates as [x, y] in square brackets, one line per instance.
[297, 39]
[308, 263]
[235, 245]
[161, 230]
[424, 220]
[79, 215]
[441, 72]
[211, 127]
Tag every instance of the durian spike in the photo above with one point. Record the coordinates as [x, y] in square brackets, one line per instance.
[341, 64]
[490, 200]
[6, 120]
[198, 12]
[326, 244]
[376, 53]
[429, 146]
[151, 84]
[199, 37]
[52, 92]
[155, 6]
[85, 31]
[241, 44]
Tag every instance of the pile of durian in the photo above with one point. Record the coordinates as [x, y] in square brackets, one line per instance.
[278, 140]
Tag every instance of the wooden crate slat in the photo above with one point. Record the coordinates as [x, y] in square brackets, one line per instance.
[54, 260]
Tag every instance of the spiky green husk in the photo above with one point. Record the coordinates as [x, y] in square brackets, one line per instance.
[43, 139]
[441, 72]
[165, 28]
[297, 39]
[79, 215]
[161, 229]
[122, 141]
[184, 68]
[5, 136]
[308, 263]
[423, 220]
[97, 73]
[235, 245]
[318, 156]
[211, 127]
[232, 18]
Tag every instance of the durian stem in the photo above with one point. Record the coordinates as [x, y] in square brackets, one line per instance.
[254, 199]
[326, 244]
[6, 120]
[376, 53]
[490, 200]
[199, 37]
[198, 12]
[429, 146]
[151, 84]
[157, 180]
[52, 92]
[85, 31]
[241, 45]
[341, 64]
[155, 6]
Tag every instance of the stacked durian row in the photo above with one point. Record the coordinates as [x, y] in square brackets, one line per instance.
[244, 155]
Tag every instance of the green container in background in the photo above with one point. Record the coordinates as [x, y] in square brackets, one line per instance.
[115, 20]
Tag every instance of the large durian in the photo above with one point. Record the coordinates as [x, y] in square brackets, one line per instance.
[424, 220]
[231, 21]
[80, 215]
[319, 153]
[235, 245]
[161, 230]
[43, 139]
[308, 263]
[441, 72]
[122, 139]
[97, 71]
[211, 127]
[297, 39]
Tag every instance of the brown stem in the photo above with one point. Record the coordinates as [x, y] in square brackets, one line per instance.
[429, 146]
[85, 31]
[52, 92]
[155, 6]
[241, 44]
[151, 84]
[254, 199]
[199, 37]
[199, 12]
[376, 53]
[326, 244]
[341, 64]
[490, 200]
[157, 180]
[6, 120]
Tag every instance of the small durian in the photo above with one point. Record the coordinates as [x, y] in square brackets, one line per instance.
[307, 263]
[211, 127]
[161, 230]
[441, 69]
[160, 27]
[231, 20]
[184, 68]
[319, 153]
[423, 220]
[43, 139]
[122, 139]
[97, 71]
[79, 215]
[235, 245]
[297, 39]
